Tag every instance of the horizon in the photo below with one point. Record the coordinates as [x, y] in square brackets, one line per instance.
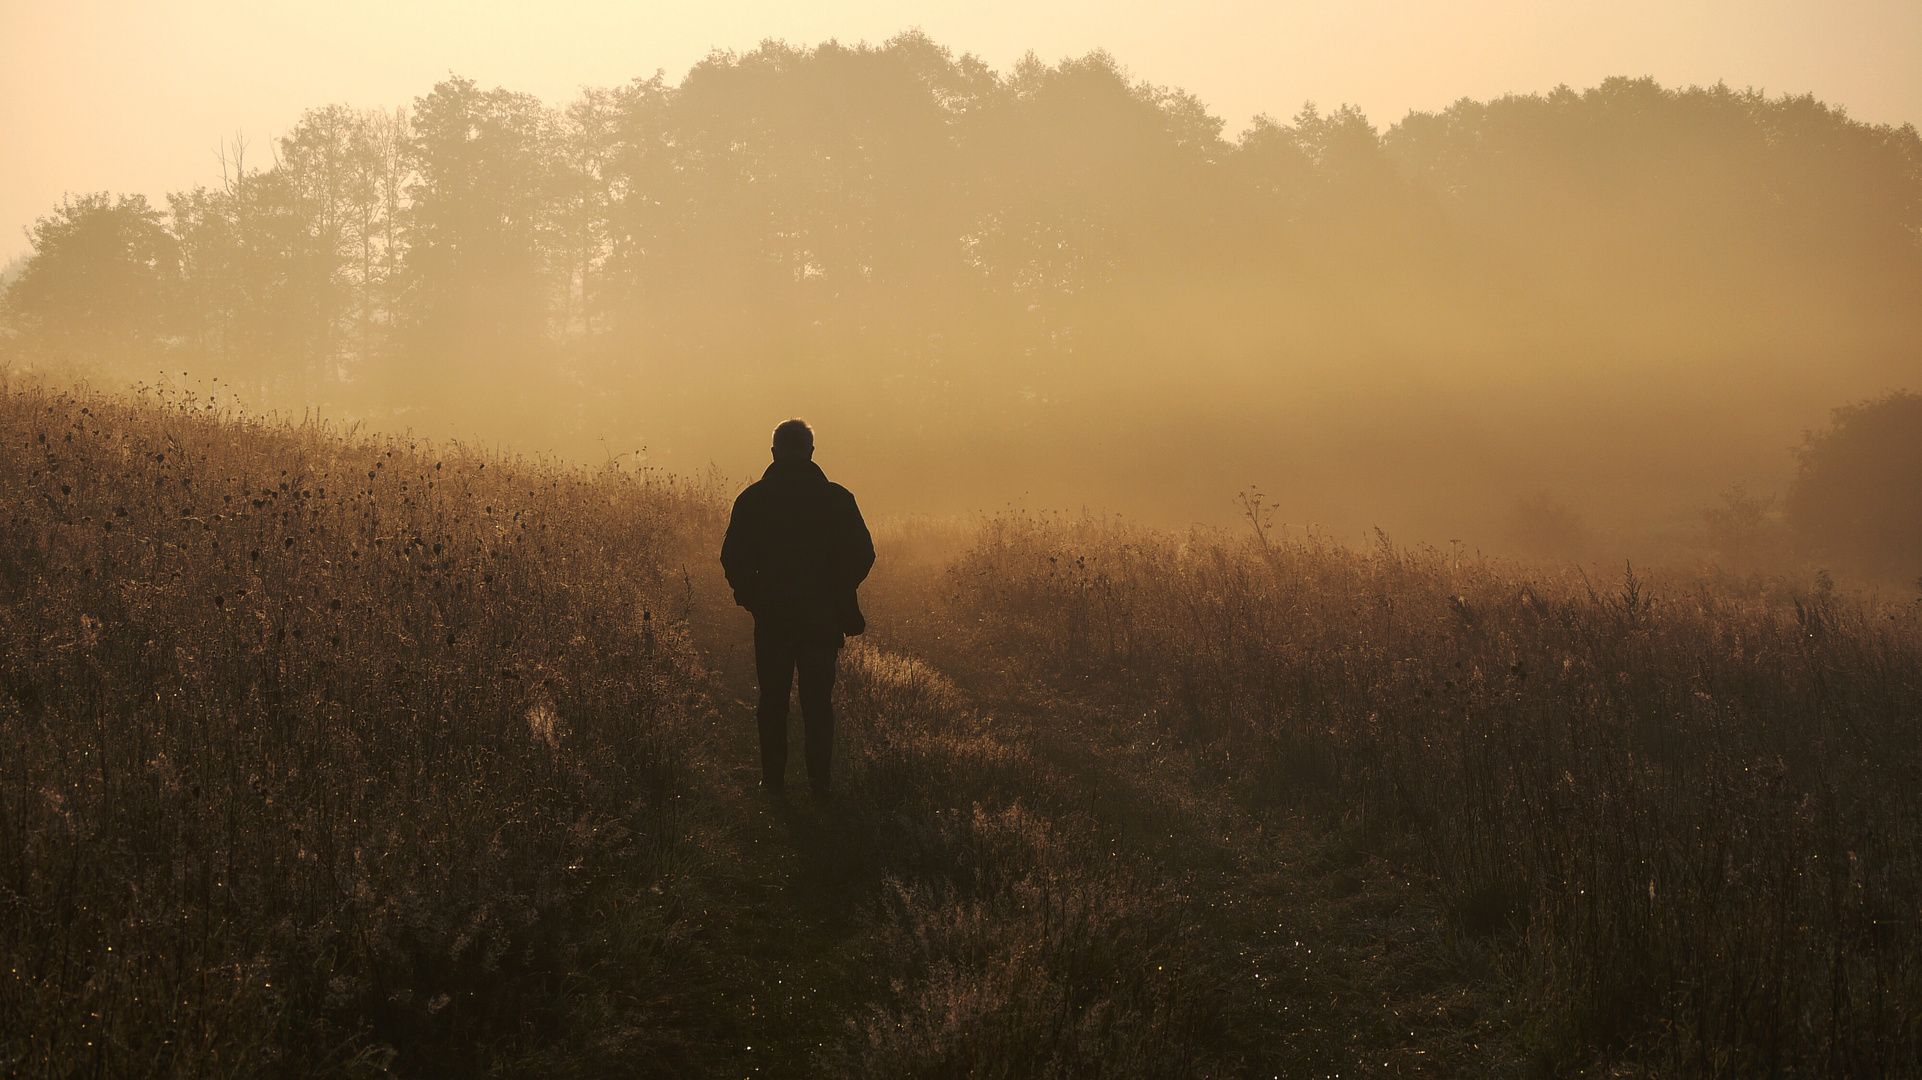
[145, 104]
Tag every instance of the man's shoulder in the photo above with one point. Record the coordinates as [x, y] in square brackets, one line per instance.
[750, 504]
[842, 496]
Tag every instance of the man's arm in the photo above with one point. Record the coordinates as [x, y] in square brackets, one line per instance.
[857, 545]
[739, 558]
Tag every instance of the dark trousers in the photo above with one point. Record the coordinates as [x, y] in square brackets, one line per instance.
[778, 656]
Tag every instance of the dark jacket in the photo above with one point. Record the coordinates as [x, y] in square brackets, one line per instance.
[796, 549]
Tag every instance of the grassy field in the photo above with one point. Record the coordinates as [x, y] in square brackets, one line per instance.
[333, 755]
[1677, 814]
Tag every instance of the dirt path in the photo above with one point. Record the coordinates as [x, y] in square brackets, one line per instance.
[1331, 961]
[785, 885]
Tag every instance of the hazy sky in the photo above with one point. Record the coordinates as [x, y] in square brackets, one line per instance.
[137, 96]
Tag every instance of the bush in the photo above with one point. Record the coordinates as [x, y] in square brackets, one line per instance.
[1857, 497]
[1745, 532]
[1543, 527]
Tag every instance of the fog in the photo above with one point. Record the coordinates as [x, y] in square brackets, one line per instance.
[1561, 324]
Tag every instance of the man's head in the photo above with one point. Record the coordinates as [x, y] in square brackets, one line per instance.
[793, 439]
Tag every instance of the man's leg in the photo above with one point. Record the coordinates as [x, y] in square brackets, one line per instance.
[774, 666]
[817, 712]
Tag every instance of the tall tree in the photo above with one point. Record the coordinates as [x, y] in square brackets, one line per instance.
[258, 284]
[344, 174]
[99, 293]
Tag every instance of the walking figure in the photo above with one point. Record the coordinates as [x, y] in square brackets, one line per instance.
[796, 550]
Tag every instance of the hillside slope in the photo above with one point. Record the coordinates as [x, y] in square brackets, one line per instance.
[336, 756]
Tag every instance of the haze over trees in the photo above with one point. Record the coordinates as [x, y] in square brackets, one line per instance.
[337, 750]
[1054, 283]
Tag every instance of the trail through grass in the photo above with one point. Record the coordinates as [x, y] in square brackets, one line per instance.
[1307, 952]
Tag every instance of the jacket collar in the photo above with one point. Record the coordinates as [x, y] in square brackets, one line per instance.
[789, 470]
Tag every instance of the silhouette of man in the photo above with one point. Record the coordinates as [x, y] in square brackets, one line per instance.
[795, 552]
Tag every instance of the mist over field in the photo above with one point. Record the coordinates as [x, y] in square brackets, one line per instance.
[1562, 325]
[1341, 595]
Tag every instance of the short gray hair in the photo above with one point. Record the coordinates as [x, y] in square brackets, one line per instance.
[794, 437]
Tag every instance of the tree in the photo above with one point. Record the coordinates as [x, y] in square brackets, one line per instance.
[346, 180]
[1857, 496]
[588, 144]
[479, 292]
[1543, 527]
[258, 297]
[1720, 217]
[478, 212]
[897, 236]
[1744, 532]
[99, 288]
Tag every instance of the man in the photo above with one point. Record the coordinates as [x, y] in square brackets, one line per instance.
[796, 550]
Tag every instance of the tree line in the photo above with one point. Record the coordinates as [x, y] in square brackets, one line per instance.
[947, 245]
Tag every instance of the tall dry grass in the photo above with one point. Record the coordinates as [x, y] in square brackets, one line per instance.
[328, 754]
[1012, 942]
[1683, 809]
[339, 756]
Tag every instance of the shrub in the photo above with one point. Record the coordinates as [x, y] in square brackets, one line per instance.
[1542, 526]
[1745, 532]
[1857, 496]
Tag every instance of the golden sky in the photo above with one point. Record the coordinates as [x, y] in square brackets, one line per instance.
[138, 96]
